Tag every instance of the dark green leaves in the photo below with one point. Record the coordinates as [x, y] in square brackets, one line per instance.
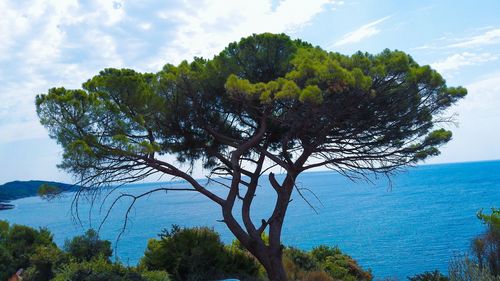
[360, 111]
[88, 247]
[259, 58]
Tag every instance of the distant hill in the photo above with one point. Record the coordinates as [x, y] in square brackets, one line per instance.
[20, 189]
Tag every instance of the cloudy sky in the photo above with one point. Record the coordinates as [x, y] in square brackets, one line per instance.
[47, 43]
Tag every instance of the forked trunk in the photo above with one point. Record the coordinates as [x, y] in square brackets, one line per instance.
[270, 255]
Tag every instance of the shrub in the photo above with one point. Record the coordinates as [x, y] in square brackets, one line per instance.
[339, 265]
[44, 263]
[99, 269]
[240, 263]
[293, 272]
[305, 261]
[197, 254]
[466, 269]
[88, 246]
[486, 247]
[320, 263]
[429, 276]
[156, 275]
[317, 276]
[6, 261]
[298, 263]
[188, 254]
[17, 244]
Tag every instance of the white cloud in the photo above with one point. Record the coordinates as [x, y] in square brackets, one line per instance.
[207, 27]
[483, 98]
[336, 5]
[487, 38]
[476, 137]
[145, 25]
[47, 43]
[38, 50]
[484, 36]
[21, 130]
[456, 61]
[364, 32]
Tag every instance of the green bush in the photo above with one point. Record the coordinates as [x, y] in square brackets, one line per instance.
[17, 244]
[88, 246]
[156, 275]
[305, 261]
[97, 269]
[44, 263]
[298, 263]
[241, 264]
[320, 263]
[429, 276]
[181, 254]
[339, 265]
[197, 254]
[6, 261]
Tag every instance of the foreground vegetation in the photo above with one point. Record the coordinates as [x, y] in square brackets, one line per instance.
[179, 254]
[84, 258]
[196, 254]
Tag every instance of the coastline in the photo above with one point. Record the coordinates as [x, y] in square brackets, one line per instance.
[15, 190]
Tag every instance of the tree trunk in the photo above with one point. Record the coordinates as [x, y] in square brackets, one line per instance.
[269, 256]
[270, 259]
[276, 270]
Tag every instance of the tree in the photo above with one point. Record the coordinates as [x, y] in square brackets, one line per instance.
[266, 101]
[19, 244]
[486, 247]
[88, 247]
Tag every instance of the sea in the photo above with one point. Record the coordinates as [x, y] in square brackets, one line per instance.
[417, 220]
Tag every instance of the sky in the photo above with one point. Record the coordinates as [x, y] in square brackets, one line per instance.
[52, 43]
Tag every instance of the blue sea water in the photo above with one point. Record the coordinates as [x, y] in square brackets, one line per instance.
[415, 223]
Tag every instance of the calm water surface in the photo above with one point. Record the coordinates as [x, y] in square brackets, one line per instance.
[418, 224]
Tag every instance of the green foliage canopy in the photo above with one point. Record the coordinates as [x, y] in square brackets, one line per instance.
[362, 110]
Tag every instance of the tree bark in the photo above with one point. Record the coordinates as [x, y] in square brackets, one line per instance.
[270, 259]
[276, 270]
